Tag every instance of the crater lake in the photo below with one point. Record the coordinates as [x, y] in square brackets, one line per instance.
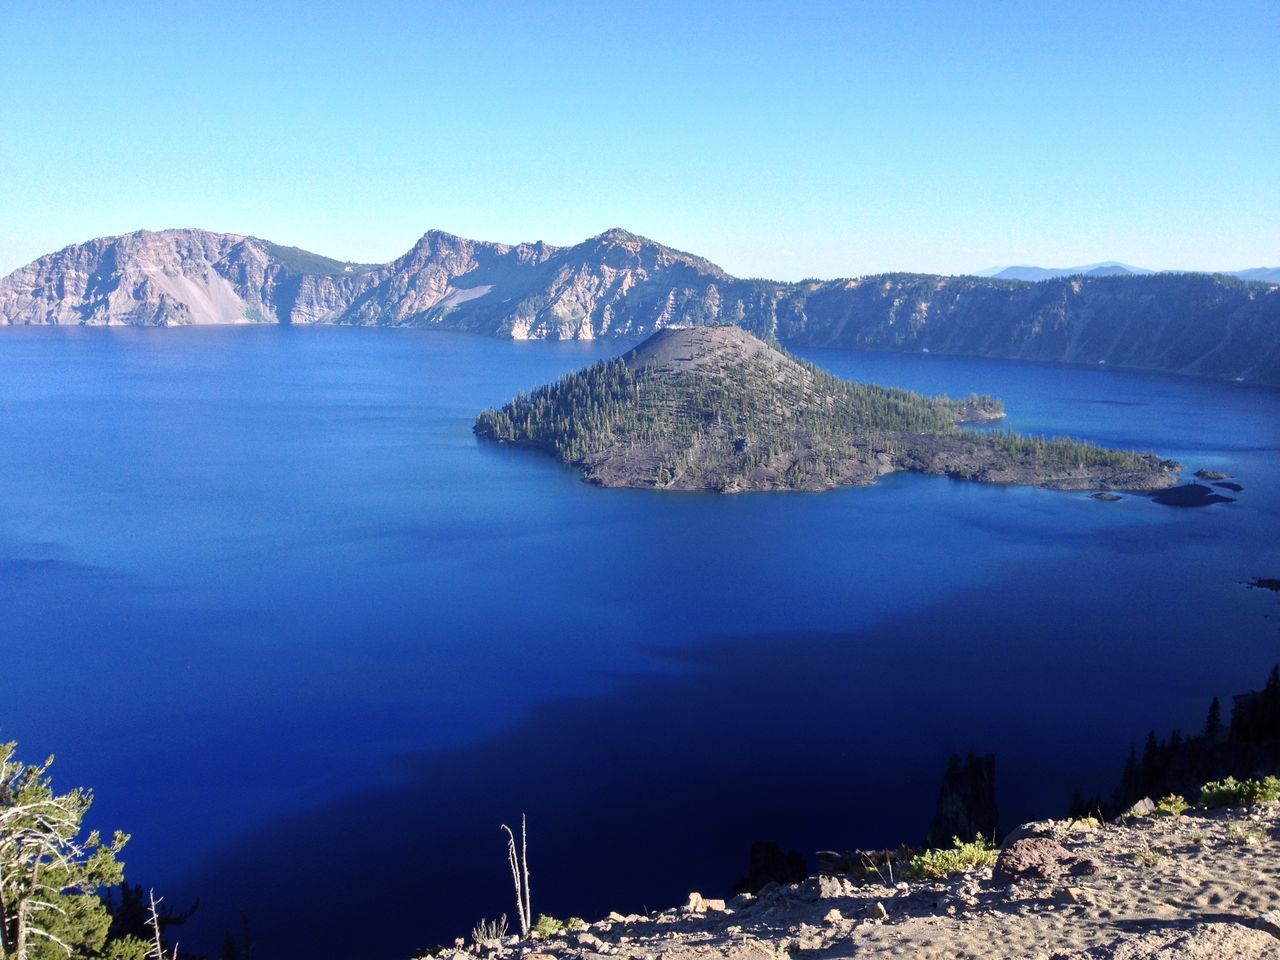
[263, 590]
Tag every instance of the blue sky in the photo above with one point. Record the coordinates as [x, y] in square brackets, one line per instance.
[778, 139]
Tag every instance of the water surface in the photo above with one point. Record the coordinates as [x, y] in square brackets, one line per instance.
[311, 642]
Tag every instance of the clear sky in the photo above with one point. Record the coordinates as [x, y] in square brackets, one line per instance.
[804, 138]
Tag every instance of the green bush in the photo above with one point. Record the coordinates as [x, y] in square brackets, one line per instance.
[1171, 806]
[1240, 793]
[939, 864]
[547, 926]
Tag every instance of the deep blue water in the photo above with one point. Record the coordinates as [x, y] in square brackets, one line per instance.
[311, 642]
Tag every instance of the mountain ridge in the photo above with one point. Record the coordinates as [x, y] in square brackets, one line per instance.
[1114, 268]
[620, 284]
[1105, 268]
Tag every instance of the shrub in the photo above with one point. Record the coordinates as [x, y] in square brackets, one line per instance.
[1240, 793]
[1249, 836]
[961, 856]
[487, 930]
[547, 926]
[1149, 856]
[1171, 806]
[1089, 822]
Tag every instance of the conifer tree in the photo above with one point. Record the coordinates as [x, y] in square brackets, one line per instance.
[51, 871]
[1213, 724]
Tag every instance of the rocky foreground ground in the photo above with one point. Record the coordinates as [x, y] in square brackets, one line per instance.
[1200, 886]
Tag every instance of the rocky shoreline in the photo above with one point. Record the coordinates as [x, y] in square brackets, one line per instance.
[1199, 884]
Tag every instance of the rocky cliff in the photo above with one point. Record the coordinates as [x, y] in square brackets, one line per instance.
[1207, 325]
[620, 284]
[180, 277]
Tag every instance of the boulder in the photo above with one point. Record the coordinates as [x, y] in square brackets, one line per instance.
[825, 887]
[770, 889]
[1077, 895]
[588, 941]
[1143, 808]
[1039, 858]
[875, 911]
[1036, 828]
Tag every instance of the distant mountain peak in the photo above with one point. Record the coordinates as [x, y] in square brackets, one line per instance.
[1106, 268]
[1113, 268]
[619, 235]
[434, 238]
[1261, 274]
[643, 253]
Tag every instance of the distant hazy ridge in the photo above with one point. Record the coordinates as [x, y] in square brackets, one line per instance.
[619, 284]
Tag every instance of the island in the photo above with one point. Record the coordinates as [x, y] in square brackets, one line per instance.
[716, 408]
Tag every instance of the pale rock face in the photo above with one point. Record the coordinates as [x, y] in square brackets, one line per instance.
[142, 278]
[529, 291]
[170, 277]
[322, 299]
